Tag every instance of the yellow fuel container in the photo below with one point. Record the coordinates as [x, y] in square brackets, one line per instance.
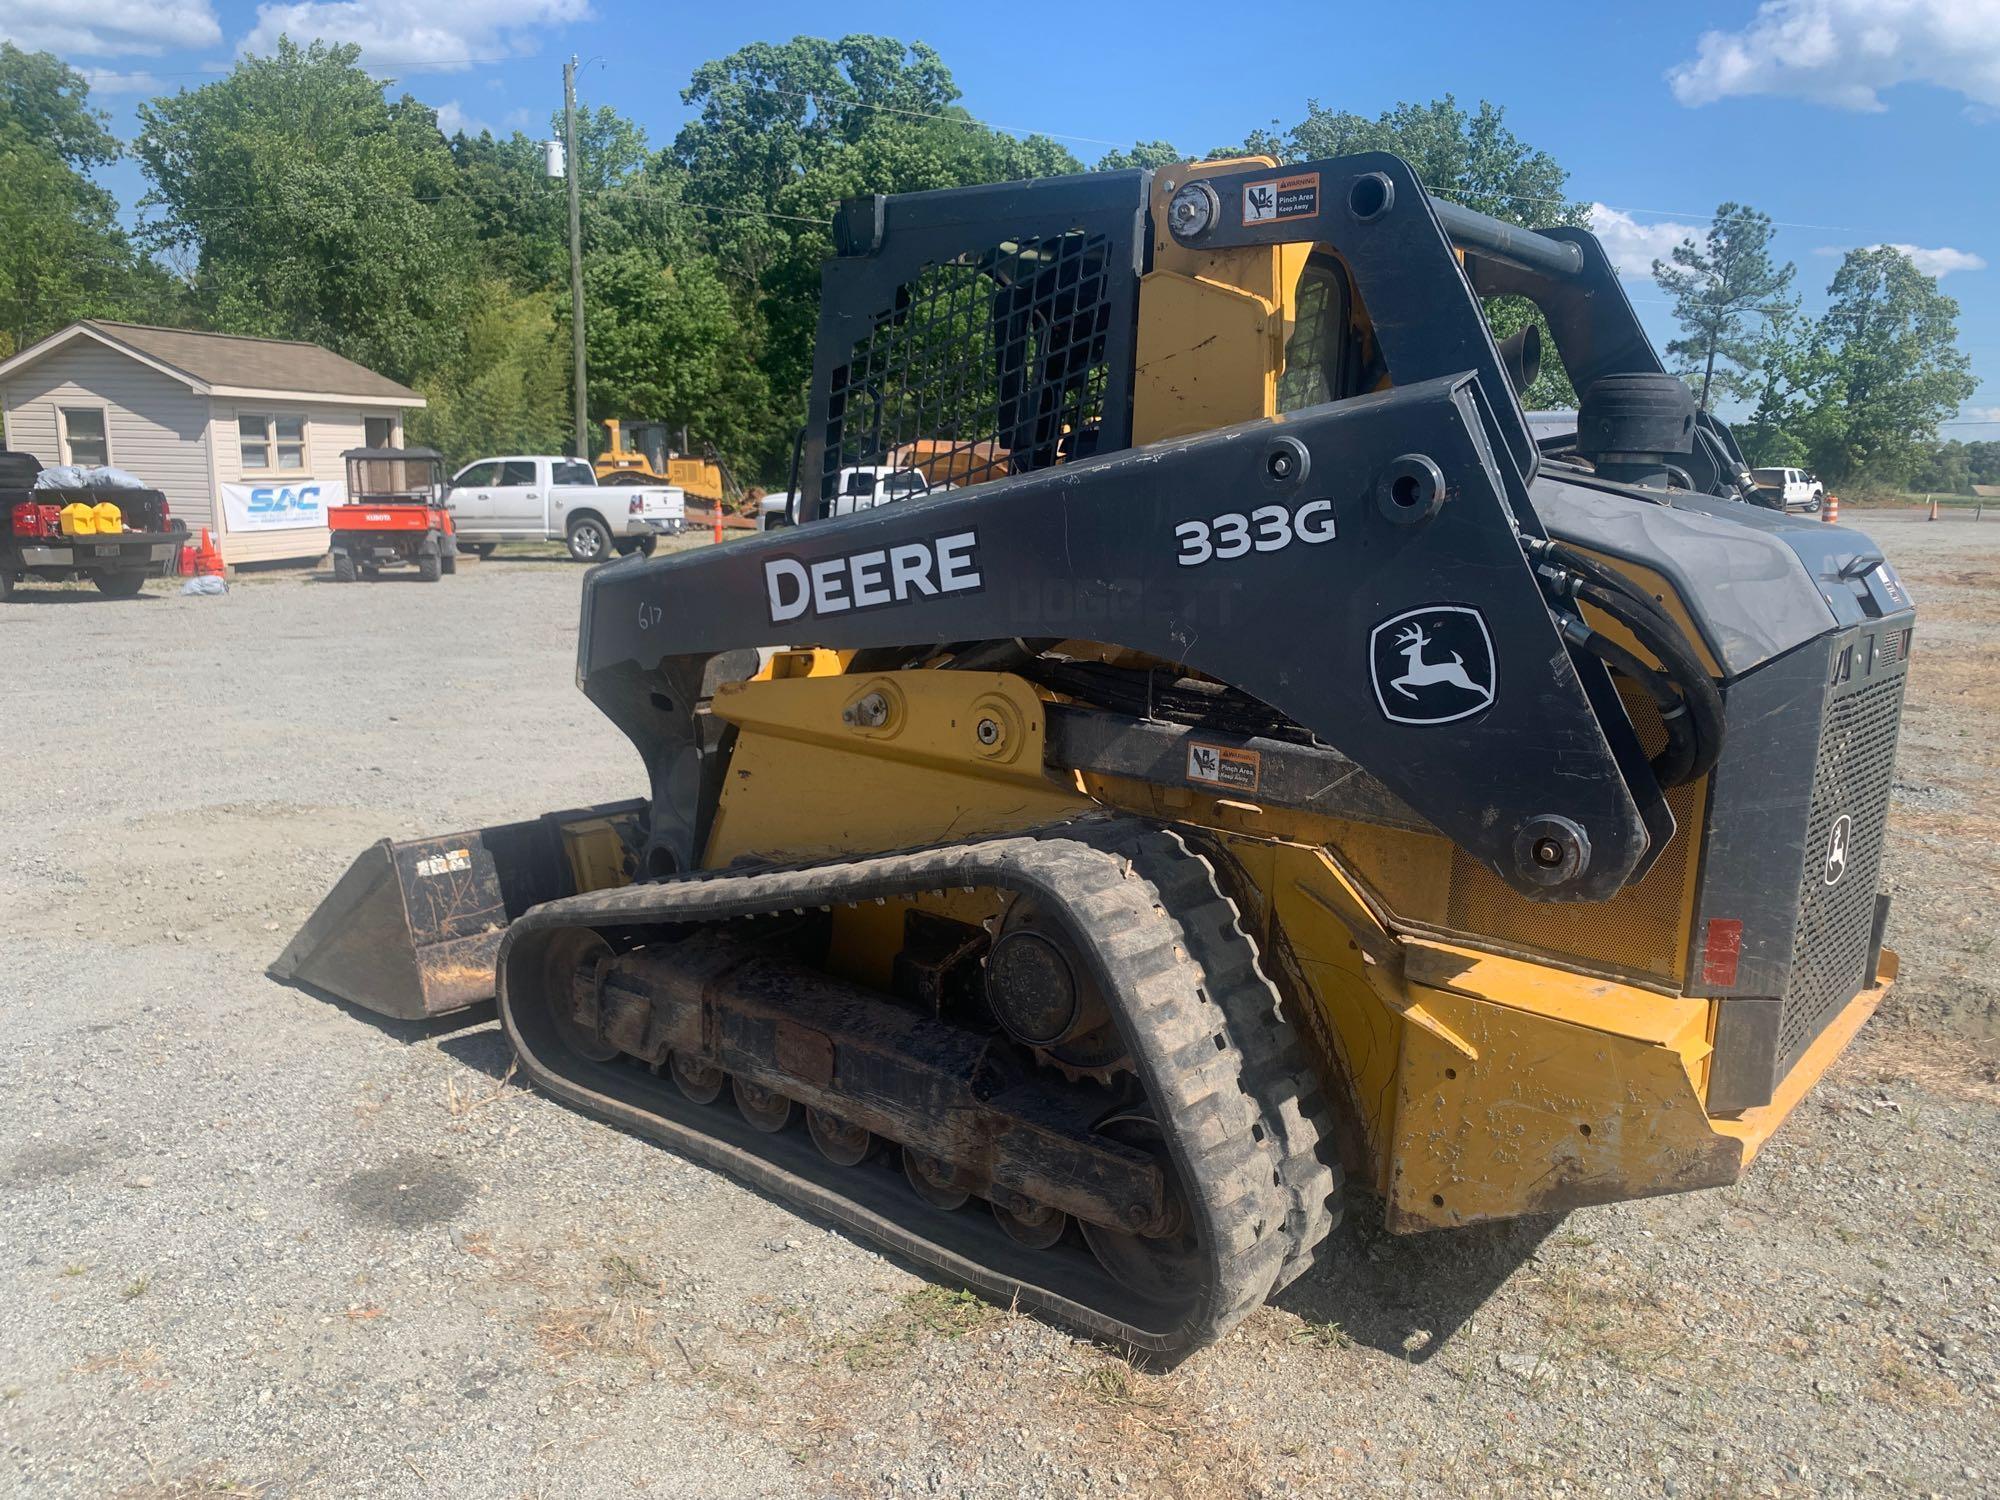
[79, 519]
[110, 519]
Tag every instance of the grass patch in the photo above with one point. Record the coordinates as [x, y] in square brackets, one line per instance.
[626, 1277]
[461, 1103]
[928, 1312]
[619, 1331]
[136, 1288]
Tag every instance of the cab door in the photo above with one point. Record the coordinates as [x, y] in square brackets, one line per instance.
[471, 499]
[520, 499]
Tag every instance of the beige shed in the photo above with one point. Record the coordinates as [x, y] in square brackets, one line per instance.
[243, 435]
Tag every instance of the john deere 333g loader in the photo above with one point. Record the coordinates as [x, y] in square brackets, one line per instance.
[1295, 775]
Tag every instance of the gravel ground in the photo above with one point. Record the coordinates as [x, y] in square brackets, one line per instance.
[257, 1244]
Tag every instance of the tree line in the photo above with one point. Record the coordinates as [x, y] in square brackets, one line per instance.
[295, 197]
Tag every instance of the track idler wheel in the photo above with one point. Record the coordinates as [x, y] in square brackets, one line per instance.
[1158, 1261]
[766, 1109]
[569, 953]
[839, 1142]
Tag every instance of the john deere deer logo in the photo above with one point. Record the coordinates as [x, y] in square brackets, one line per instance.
[1836, 848]
[1433, 665]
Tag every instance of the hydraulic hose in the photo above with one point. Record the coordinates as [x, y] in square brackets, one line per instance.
[1694, 718]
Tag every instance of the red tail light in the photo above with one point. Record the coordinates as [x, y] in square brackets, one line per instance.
[30, 519]
[635, 506]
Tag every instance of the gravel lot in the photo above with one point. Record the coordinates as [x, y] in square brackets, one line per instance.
[257, 1244]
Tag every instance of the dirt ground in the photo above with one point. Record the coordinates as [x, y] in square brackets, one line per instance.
[259, 1245]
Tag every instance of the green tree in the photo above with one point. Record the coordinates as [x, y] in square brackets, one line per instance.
[1891, 369]
[783, 132]
[1143, 154]
[1861, 393]
[1725, 291]
[62, 254]
[313, 208]
[48, 102]
[508, 391]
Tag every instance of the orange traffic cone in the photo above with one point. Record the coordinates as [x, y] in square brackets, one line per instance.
[1830, 511]
[1933, 515]
[208, 557]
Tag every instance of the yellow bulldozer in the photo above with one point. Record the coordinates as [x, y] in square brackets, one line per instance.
[1276, 777]
[651, 458]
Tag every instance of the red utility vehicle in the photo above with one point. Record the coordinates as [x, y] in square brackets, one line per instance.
[394, 513]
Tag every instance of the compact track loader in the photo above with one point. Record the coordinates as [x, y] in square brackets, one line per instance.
[1292, 777]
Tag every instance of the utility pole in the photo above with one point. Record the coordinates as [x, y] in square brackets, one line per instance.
[570, 167]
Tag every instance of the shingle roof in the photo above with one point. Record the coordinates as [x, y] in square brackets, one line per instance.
[227, 359]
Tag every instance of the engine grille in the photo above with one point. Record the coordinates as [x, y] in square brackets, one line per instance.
[1850, 796]
[989, 365]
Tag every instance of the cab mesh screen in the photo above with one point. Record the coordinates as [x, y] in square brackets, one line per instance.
[989, 365]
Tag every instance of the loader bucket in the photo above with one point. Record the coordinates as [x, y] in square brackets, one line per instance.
[412, 928]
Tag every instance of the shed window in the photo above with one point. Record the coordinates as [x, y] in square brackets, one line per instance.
[271, 442]
[84, 441]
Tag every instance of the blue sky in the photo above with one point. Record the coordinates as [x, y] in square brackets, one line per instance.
[1849, 121]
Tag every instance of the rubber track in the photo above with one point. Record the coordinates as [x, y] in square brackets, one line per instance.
[1221, 1067]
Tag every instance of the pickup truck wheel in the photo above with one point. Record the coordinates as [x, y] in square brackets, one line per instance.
[119, 585]
[6, 585]
[343, 566]
[478, 549]
[589, 542]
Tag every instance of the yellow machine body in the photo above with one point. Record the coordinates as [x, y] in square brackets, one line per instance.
[1473, 1083]
[1489, 1055]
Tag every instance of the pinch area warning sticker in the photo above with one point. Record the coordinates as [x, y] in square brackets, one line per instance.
[444, 864]
[1278, 198]
[1222, 766]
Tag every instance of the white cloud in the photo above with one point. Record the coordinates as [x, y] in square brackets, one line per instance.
[107, 28]
[414, 33]
[1844, 52]
[1939, 262]
[1990, 414]
[1634, 246]
[452, 119]
[1943, 260]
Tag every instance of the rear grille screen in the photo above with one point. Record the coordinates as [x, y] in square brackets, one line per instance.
[992, 364]
[1850, 802]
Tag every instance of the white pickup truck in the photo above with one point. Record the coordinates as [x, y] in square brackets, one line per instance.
[861, 488]
[1789, 489]
[494, 500]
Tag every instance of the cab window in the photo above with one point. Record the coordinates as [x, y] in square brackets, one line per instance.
[518, 471]
[478, 476]
[573, 471]
[1317, 354]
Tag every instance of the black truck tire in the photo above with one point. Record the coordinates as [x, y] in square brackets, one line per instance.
[343, 565]
[119, 585]
[6, 583]
[589, 539]
[430, 566]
